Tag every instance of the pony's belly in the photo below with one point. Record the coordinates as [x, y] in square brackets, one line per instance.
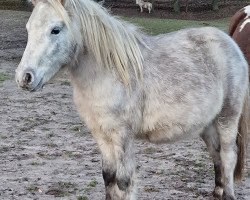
[170, 134]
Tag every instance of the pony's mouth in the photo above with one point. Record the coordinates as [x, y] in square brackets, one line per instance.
[39, 86]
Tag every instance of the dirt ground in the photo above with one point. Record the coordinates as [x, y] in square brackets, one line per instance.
[47, 153]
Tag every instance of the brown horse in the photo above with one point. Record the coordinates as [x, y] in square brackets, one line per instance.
[239, 30]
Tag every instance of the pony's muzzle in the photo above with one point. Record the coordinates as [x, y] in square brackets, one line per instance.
[25, 80]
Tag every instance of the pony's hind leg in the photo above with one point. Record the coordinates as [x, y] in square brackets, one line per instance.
[118, 164]
[228, 134]
[231, 125]
[211, 138]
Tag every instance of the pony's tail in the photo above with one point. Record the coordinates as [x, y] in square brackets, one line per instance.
[235, 20]
[241, 140]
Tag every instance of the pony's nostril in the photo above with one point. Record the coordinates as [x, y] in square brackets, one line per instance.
[27, 78]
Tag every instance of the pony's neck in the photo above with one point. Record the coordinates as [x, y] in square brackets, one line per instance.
[113, 43]
[85, 69]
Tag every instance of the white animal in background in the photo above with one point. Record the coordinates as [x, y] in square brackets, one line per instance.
[144, 4]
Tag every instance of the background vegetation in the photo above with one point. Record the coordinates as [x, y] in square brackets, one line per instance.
[156, 26]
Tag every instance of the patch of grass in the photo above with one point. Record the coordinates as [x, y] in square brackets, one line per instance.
[3, 137]
[32, 122]
[61, 189]
[150, 189]
[92, 183]
[41, 154]
[66, 184]
[4, 149]
[82, 197]
[199, 165]
[51, 145]
[34, 163]
[76, 128]
[50, 135]
[3, 77]
[66, 82]
[72, 154]
[45, 129]
[149, 150]
[49, 155]
[156, 26]
[69, 154]
[32, 188]
[160, 172]
[19, 142]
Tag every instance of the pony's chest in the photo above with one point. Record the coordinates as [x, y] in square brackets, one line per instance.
[84, 107]
[97, 107]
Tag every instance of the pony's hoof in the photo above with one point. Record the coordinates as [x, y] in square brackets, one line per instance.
[218, 192]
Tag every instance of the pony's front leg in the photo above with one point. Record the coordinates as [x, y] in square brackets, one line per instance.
[109, 169]
[141, 8]
[118, 164]
[125, 162]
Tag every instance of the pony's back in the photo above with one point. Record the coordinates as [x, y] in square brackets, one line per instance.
[190, 67]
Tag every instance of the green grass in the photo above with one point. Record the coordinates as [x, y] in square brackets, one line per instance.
[92, 184]
[3, 77]
[32, 188]
[157, 26]
[82, 198]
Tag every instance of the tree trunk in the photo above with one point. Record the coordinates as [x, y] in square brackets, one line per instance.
[177, 7]
[215, 5]
[187, 2]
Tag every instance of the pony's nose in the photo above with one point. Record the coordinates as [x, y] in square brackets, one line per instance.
[27, 79]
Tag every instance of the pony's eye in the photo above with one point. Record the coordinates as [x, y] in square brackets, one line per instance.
[55, 31]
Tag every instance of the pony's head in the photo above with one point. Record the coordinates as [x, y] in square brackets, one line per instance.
[59, 29]
[50, 46]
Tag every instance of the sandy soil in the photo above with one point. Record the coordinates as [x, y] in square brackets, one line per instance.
[46, 152]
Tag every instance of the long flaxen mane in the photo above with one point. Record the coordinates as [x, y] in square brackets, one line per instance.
[113, 42]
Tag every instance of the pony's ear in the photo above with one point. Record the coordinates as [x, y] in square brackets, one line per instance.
[33, 2]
